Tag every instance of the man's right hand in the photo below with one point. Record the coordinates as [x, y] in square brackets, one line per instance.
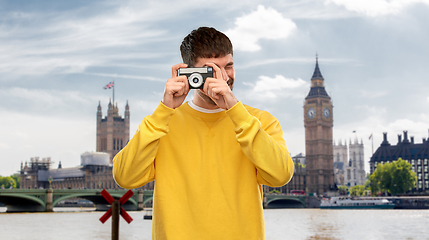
[176, 89]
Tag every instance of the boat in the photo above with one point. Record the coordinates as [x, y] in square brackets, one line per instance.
[148, 215]
[356, 203]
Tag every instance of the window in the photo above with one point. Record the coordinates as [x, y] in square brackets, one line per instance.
[426, 176]
[419, 162]
[420, 184]
[426, 168]
[419, 176]
[426, 184]
[426, 162]
[419, 169]
[412, 161]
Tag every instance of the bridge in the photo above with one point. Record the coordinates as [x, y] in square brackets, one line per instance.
[286, 201]
[43, 200]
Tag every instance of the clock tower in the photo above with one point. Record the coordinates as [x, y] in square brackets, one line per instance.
[318, 123]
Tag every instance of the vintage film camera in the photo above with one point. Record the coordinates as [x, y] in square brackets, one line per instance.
[196, 76]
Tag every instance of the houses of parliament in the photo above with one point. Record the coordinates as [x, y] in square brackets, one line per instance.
[95, 170]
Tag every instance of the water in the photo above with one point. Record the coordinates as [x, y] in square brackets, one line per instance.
[280, 224]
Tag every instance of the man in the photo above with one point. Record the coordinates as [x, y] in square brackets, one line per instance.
[209, 157]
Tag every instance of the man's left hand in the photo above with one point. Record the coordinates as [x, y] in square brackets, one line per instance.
[218, 90]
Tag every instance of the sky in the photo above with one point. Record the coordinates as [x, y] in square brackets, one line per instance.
[56, 57]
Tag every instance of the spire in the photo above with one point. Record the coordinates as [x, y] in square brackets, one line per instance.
[317, 83]
[317, 74]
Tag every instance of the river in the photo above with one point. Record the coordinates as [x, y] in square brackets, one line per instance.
[296, 224]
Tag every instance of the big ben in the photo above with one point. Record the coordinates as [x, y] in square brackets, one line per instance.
[318, 123]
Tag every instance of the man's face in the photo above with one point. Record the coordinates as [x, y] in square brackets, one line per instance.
[226, 65]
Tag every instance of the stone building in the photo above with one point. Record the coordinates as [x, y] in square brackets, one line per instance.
[417, 154]
[340, 161]
[355, 170]
[318, 124]
[349, 168]
[95, 170]
[113, 131]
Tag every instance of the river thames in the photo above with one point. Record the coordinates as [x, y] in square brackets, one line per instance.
[280, 224]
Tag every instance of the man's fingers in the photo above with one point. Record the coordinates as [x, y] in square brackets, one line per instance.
[175, 68]
[217, 71]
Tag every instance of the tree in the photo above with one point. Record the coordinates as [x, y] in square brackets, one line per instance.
[358, 190]
[395, 177]
[17, 180]
[343, 190]
[6, 182]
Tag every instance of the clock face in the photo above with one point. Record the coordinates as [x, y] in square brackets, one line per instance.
[326, 112]
[311, 113]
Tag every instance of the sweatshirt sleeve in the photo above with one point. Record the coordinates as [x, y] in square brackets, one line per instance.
[134, 165]
[262, 142]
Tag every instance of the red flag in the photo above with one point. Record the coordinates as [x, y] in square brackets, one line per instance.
[370, 136]
[109, 86]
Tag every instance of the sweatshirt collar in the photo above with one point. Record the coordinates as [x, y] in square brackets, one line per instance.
[204, 110]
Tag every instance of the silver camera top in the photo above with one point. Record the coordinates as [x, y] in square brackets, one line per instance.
[196, 76]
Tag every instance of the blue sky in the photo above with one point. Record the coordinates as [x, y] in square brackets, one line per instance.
[56, 56]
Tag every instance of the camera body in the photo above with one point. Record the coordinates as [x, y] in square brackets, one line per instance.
[196, 76]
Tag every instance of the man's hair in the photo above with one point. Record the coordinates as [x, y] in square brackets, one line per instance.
[204, 42]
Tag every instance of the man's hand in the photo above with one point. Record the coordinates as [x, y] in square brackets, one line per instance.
[176, 88]
[218, 90]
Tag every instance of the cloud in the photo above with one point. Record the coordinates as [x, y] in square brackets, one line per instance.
[65, 42]
[261, 62]
[267, 88]
[148, 78]
[48, 102]
[372, 94]
[260, 24]
[374, 8]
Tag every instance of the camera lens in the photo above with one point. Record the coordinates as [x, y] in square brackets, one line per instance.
[196, 80]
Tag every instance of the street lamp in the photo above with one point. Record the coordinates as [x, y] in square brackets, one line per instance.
[50, 180]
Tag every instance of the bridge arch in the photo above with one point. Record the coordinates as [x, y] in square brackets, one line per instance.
[33, 203]
[146, 200]
[285, 203]
[90, 196]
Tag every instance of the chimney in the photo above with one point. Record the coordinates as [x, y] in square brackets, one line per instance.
[406, 137]
[399, 138]
[385, 142]
[412, 140]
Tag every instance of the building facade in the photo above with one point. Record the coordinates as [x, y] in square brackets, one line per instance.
[349, 168]
[113, 131]
[318, 123]
[340, 161]
[94, 172]
[355, 170]
[95, 169]
[417, 154]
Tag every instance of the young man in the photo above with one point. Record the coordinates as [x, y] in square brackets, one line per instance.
[209, 157]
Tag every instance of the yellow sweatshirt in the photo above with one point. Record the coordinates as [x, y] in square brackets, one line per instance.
[208, 170]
